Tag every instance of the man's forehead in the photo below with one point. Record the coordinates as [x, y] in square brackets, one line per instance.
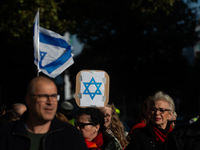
[43, 85]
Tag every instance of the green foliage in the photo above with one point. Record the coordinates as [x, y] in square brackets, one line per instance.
[16, 33]
[17, 18]
[139, 44]
[151, 6]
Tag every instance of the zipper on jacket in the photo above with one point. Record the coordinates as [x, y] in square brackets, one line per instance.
[48, 134]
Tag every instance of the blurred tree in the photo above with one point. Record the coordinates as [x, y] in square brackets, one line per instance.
[16, 34]
[139, 44]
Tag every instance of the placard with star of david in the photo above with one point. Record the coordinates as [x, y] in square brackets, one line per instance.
[92, 88]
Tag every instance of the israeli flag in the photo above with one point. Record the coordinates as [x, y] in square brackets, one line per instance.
[52, 53]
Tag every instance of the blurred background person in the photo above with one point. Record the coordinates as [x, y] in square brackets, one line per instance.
[113, 125]
[173, 120]
[90, 122]
[67, 109]
[185, 137]
[62, 117]
[2, 112]
[19, 108]
[144, 116]
[9, 116]
[153, 135]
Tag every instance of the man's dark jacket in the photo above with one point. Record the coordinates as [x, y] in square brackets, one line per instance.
[185, 137]
[61, 136]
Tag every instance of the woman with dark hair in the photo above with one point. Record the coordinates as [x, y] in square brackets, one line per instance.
[90, 122]
[143, 117]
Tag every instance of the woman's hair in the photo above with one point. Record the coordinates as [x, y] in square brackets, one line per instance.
[62, 117]
[145, 108]
[96, 116]
[117, 127]
[163, 97]
[174, 114]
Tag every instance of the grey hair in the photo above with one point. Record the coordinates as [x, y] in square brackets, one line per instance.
[174, 114]
[164, 97]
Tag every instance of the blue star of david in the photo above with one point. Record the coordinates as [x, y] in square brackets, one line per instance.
[87, 91]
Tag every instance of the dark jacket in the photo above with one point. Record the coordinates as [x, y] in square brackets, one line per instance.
[109, 142]
[61, 136]
[144, 139]
[185, 137]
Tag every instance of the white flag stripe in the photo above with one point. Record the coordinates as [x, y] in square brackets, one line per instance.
[56, 52]
[61, 69]
[51, 33]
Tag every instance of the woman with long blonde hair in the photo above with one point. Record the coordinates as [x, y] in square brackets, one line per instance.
[114, 125]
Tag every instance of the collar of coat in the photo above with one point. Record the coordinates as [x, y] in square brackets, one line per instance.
[21, 129]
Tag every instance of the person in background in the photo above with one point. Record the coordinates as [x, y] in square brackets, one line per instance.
[113, 125]
[90, 122]
[185, 137]
[38, 128]
[67, 108]
[62, 117]
[153, 135]
[9, 116]
[173, 120]
[19, 108]
[144, 116]
[2, 112]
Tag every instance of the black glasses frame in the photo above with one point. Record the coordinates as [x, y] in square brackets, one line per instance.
[161, 110]
[47, 96]
[82, 125]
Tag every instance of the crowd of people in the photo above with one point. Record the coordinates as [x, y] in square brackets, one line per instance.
[39, 126]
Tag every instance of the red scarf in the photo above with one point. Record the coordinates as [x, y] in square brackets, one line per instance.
[159, 135]
[96, 143]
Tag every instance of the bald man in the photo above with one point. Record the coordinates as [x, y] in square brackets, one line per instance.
[19, 108]
[38, 128]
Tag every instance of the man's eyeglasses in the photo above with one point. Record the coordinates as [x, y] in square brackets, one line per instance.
[161, 110]
[82, 125]
[45, 97]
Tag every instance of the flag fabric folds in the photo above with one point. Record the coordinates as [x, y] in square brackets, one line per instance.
[52, 53]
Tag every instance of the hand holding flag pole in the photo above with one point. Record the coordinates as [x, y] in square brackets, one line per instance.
[52, 53]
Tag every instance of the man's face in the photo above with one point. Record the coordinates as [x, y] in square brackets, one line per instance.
[42, 111]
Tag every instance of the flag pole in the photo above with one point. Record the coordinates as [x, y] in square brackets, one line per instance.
[38, 67]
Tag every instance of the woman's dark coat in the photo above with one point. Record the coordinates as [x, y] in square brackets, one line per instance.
[144, 139]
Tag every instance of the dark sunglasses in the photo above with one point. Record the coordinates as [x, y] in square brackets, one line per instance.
[82, 125]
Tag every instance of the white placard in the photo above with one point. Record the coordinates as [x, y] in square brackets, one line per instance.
[92, 88]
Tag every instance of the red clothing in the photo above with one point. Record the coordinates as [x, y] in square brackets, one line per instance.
[96, 143]
[159, 135]
[138, 125]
